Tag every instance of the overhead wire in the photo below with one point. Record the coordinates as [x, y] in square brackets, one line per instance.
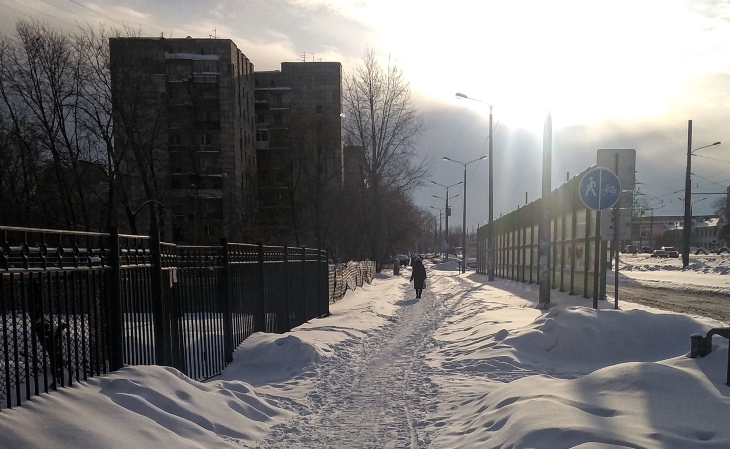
[38, 11]
[95, 12]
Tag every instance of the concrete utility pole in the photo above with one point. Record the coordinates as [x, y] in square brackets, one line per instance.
[686, 231]
[545, 213]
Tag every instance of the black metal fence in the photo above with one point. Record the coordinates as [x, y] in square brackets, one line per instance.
[76, 305]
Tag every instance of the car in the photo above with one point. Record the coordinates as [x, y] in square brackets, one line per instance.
[646, 249]
[671, 251]
[630, 249]
[659, 253]
[403, 259]
[471, 262]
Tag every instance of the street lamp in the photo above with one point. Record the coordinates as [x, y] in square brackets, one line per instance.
[439, 236]
[463, 231]
[651, 226]
[643, 209]
[447, 211]
[490, 233]
[691, 215]
[686, 232]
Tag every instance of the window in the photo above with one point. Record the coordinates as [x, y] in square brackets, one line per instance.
[319, 109]
[206, 139]
[276, 100]
[262, 135]
[209, 90]
[178, 71]
[205, 66]
[205, 77]
[175, 139]
[278, 118]
[260, 117]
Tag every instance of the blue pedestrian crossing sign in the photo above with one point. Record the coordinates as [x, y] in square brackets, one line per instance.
[600, 189]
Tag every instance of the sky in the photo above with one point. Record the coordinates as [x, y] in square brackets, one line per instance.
[618, 74]
[471, 364]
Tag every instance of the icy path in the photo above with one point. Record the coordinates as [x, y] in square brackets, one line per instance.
[377, 391]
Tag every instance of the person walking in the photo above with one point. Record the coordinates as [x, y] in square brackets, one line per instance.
[418, 276]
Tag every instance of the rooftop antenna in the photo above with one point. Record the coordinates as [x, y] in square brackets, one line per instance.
[304, 56]
[312, 56]
[213, 35]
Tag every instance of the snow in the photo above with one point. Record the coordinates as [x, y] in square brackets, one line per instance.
[472, 364]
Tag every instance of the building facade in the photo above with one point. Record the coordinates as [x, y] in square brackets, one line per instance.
[184, 136]
[299, 147]
[667, 230]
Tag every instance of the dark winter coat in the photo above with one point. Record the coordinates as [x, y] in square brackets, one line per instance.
[418, 275]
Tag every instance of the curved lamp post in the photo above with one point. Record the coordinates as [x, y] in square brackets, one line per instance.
[463, 230]
[447, 211]
[439, 234]
[686, 232]
[490, 233]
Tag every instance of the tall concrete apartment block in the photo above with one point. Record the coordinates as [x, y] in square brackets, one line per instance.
[184, 130]
[299, 141]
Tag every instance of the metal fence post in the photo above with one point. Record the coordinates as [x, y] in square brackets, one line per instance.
[116, 315]
[287, 291]
[225, 302]
[161, 353]
[304, 284]
[260, 307]
[318, 283]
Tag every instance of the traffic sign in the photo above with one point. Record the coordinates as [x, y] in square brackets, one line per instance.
[599, 189]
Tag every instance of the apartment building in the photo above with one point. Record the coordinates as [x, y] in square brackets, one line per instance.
[299, 147]
[184, 136]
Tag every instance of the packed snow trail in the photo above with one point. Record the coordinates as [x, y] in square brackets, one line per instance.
[376, 392]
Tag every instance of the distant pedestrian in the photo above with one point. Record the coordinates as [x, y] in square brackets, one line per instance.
[418, 276]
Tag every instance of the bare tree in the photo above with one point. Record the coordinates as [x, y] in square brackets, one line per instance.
[381, 118]
[41, 91]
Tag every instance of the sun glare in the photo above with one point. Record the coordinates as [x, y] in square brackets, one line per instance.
[586, 62]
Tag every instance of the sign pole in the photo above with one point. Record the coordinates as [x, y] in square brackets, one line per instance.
[616, 228]
[599, 189]
[597, 259]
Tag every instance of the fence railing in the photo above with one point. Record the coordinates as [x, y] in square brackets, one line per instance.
[76, 305]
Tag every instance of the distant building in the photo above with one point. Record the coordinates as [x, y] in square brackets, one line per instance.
[299, 144]
[705, 232]
[184, 132]
[667, 230]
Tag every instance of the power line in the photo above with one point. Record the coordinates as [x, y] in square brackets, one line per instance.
[38, 11]
[711, 158]
[95, 12]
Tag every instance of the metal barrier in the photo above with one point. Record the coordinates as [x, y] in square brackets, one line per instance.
[572, 244]
[351, 275]
[701, 346]
[76, 305]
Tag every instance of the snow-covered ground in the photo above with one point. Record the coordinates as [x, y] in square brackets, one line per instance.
[704, 272]
[472, 364]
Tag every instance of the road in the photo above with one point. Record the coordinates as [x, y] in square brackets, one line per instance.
[708, 304]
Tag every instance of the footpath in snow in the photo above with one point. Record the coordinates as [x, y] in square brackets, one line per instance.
[472, 364]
